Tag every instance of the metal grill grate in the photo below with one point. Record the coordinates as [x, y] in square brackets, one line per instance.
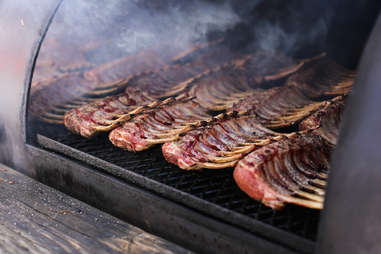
[215, 186]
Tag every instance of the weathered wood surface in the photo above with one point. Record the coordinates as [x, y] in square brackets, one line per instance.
[37, 219]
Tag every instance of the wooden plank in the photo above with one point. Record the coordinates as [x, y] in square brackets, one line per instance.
[35, 218]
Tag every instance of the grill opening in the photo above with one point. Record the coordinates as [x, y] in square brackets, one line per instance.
[211, 192]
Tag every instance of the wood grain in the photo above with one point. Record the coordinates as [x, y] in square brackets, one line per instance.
[37, 219]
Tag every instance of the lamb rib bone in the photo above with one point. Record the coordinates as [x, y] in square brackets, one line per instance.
[287, 171]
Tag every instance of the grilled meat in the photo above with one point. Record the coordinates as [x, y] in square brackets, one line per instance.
[105, 114]
[67, 95]
[173, 79]
[220, 144]
[159, 125]
[272, 108]
[326, 121]
[216, 90]
[123, 68]
[221, 88]
[284, 106]
[322, 78]
[74, 90]
[255, 98]
[70, 91]
[63, 90]
[239, 82]
[278, 107]
[150, 84]
[292, 170]
[52, 63]
[170, 80]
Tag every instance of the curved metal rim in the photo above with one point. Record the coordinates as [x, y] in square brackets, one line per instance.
[350, 222]
[30, 69]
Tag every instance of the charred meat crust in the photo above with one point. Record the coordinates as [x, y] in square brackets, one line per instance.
[216, 96]
[292, 170]
[326, 121]
[301, 96]
[221, 143]
[88, 119]
[159, 125]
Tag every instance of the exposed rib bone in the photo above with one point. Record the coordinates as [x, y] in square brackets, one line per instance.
[136, 127]
[159, 125]
[49, 120]
[226, 85]
[227, 138]
[292, 69]
[326, 121]
[105, 114]
[114, 76]
[53, 116]
[274, 174]
[303, 202]
[215, 165]
[310, 196]
[319, 182]
[224, 159]
[284, 106]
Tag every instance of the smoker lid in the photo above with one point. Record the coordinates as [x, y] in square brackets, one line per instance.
[351, 219]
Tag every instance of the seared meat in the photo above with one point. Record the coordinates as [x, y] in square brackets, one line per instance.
[299, 97]
[233, 76]
[322, 78]
[53, 63]
[50, 99]
[159, 125]
[173, 79]
[215, 90]
[220, 144]
[254, 99]
[292, 170]
[279, 107]
[234, 137]
[107, 120]
[123, 68]
[272, 108]
[227, 85]
[111, 77]
[106, 114]
[76, 85]
[326, 121]
[239, 81]
[57, 94]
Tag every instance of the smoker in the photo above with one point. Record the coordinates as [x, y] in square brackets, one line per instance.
[203, 211]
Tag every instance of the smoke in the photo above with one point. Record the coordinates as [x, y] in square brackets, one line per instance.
[121, 28]
[294, 42]
[296, 28]
[131, 26]
[19, 29]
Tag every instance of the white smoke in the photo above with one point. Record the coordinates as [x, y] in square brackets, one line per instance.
[132, 26]
[19, 28]
[293, 29]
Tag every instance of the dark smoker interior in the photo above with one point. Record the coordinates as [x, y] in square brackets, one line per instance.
[107, 30]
